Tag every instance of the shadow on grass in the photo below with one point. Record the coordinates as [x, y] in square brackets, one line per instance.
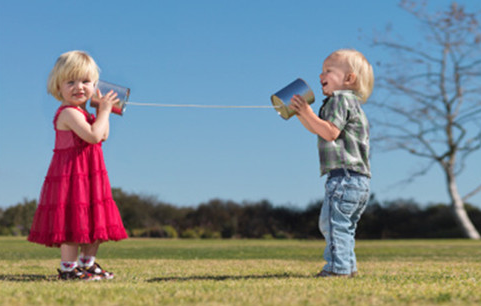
[226, 277]
[50, 278]
[27, 277]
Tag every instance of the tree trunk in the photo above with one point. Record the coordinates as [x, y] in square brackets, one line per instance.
[459, 212]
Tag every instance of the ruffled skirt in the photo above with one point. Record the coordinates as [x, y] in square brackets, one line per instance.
[76, 203]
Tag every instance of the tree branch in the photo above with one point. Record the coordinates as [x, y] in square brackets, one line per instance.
[472, 193]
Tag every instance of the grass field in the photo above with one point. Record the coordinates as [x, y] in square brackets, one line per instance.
[247, 272]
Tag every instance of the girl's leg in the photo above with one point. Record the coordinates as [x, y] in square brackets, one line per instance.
[89, 249]
[87, 261]
[69, 251]
[69, 267]
[87, 254]
[68, 256]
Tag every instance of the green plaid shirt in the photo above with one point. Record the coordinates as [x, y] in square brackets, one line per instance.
[351, 149]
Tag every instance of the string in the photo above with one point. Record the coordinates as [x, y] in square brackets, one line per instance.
[200, 105]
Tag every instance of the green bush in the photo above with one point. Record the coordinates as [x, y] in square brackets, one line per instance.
[170, 231]
[5, 231]
[210, 234]
[190, 234]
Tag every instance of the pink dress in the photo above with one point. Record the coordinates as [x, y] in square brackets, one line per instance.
[76, 203]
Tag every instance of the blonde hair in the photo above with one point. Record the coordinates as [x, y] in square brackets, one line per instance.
[361, 68]
[71, 65]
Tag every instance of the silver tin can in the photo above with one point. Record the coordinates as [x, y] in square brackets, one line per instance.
[281, 99]
[123, 94]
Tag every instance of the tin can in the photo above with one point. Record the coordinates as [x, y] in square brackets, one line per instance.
[123, 94]
[281, 99]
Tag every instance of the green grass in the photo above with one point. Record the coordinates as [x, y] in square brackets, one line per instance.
[247, 272]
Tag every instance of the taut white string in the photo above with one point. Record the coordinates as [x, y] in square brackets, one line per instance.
[199, 105]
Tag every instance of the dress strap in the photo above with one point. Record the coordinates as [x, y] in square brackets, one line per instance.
[61, 108]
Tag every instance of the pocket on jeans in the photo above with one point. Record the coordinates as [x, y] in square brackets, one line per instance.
[351, 197]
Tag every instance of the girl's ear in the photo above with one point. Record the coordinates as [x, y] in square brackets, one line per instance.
[59, 92]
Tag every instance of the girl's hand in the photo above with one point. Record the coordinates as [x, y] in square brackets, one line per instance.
[106, 102]
[299, 104]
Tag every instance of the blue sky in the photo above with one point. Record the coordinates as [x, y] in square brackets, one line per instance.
[197, 52]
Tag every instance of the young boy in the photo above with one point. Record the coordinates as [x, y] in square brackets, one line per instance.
[347, 81]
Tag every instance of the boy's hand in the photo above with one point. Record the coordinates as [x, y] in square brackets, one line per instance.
[299, 104]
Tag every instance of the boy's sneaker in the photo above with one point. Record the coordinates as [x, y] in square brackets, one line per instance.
[97, 271]
[76, 274]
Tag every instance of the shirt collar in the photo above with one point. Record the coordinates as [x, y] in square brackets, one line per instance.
[346, 92]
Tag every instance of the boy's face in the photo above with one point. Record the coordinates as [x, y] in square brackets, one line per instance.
[335, 75]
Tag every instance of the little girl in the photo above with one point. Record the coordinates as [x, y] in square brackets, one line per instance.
[76, 207]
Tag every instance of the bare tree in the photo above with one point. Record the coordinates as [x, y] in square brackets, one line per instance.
[432, 96]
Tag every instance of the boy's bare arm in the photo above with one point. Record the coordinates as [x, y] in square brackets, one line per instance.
[325, 129]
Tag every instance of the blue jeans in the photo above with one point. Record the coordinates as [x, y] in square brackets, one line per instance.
[345, 200]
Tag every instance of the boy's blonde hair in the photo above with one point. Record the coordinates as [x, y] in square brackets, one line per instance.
[361, 68]
[71, 65]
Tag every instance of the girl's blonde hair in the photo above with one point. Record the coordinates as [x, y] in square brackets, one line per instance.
[361, 68]
[71, 65]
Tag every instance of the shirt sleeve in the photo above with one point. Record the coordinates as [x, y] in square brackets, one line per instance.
[336, 111]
